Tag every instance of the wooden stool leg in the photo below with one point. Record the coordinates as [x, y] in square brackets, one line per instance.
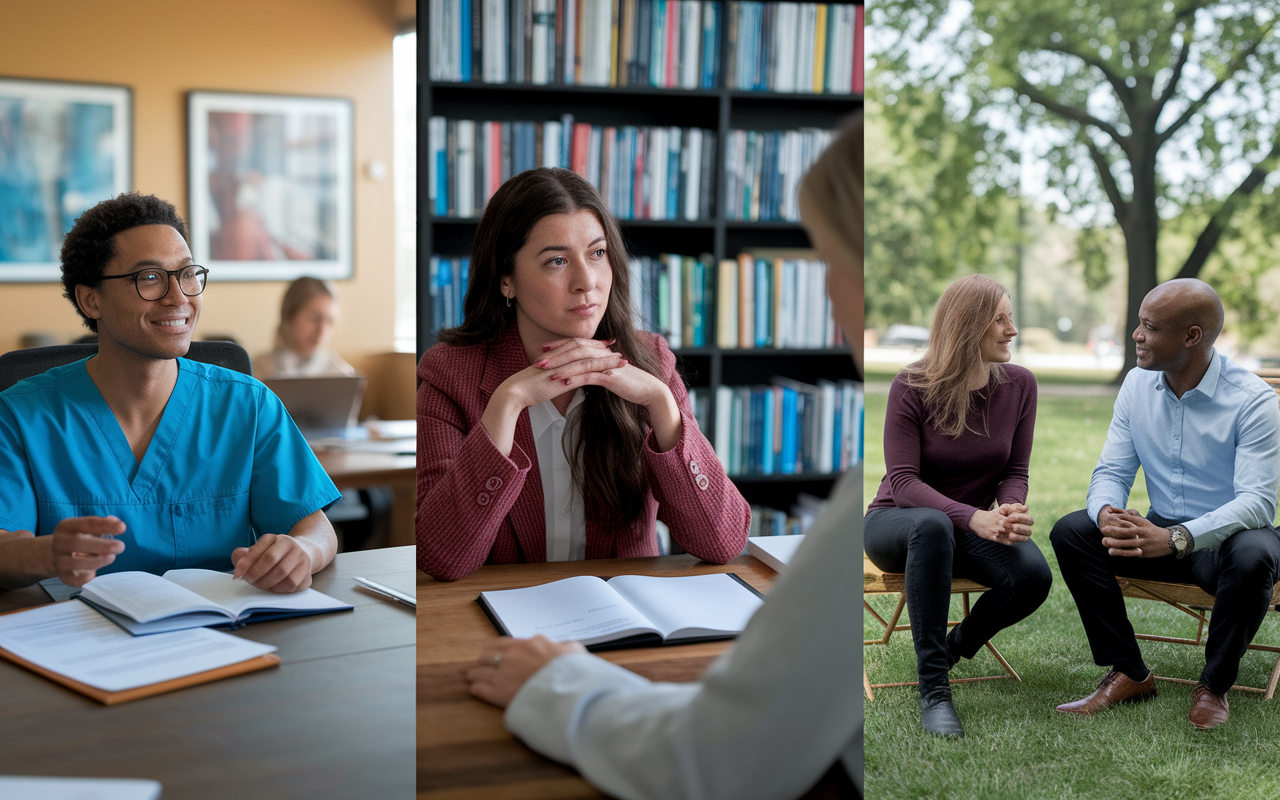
[866, 686]
[1271, 684]
[893, 621]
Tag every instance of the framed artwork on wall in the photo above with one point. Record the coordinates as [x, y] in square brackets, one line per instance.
[64, 147]
[271, 182]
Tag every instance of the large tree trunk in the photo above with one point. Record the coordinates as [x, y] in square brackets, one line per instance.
[1141, 226]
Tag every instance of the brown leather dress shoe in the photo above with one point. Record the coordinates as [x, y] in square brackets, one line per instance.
[1208, 710]
[1114, 688]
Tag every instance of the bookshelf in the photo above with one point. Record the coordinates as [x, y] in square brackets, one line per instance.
[720, 110]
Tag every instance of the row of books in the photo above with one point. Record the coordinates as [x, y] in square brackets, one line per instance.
[786, 428]
[675, 44]
[672, 295]
[663, 43]
[763, 171]
[762, 300]
[796, 47]
[664, 173]
[773, 522]
[774, 298]
[447, 283]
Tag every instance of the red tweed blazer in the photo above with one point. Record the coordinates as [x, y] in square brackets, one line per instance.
[477, 506]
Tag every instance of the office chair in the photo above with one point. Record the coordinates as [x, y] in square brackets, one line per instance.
[22, 364]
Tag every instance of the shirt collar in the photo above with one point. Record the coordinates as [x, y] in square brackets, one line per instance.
[1208, 383]
[544, 414]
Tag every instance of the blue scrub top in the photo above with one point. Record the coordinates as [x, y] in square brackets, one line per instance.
[226, 464]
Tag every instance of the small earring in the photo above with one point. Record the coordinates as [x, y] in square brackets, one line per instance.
[508, 302]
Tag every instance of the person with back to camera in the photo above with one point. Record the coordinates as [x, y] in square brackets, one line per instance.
[549, 429]
[778, 716]
[308, 315]
[957, 442]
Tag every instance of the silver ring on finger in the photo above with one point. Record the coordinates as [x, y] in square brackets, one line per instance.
[497, 659]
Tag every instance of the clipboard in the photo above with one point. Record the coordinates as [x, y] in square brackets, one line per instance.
[137, 693]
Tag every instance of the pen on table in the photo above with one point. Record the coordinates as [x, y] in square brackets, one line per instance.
[394, 594]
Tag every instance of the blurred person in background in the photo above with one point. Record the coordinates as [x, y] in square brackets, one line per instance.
[308, 316]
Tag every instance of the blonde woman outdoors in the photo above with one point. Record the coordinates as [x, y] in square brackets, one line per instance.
[957, 441]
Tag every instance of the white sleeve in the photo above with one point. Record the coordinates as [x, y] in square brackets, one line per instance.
[767, 719]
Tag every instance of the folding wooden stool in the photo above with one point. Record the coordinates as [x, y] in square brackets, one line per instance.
[1198, 604]
[876, 581]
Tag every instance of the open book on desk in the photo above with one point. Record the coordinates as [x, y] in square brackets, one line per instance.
[143, 603]
[627, 610]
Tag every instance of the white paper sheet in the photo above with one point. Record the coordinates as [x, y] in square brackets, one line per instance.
[240, 596]
[582, 608]
[695, 605]
[14, 787]
[72, 639]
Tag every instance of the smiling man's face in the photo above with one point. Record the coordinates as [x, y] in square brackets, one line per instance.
[154, 328]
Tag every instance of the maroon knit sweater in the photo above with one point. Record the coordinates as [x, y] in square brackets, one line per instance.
[926, 469]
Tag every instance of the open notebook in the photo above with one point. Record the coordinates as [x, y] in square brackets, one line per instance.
[143, 603]
[627, 610]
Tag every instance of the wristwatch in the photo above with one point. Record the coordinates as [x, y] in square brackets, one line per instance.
[1180, 540]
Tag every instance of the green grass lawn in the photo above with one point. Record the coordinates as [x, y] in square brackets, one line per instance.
[1016, 745]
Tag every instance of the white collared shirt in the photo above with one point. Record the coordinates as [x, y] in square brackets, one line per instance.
[561, 501]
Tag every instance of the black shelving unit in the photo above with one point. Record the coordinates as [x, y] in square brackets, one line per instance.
[720, 110]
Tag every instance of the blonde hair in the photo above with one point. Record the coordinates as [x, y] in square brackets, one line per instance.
[300, 292]
[831, 192]
[965, 311]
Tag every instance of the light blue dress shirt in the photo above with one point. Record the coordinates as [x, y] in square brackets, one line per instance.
[225, 465]
[1211, 458]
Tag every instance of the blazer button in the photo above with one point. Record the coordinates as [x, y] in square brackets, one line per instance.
[702, 482]
[493, 484]
[694, 468]
[483, 498]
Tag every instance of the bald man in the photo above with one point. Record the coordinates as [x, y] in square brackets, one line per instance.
[1206, 433]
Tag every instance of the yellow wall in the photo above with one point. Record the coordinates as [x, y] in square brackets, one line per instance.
[333, 48]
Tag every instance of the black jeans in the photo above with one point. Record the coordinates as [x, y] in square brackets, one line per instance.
[1239, 573]
[923, 544]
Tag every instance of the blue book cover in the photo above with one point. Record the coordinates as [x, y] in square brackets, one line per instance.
[673, 180]
[464, 10]
[766, 433]
[697, 304]
[464, 270]
[433, 286]
[442, 183]
[444, 279]
[764, 301]
[755, 426]
[789, 421]
[837, 443]
[707, 73]
[658, 53]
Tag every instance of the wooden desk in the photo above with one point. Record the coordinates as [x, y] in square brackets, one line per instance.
[334, 720]
[356, 470]
[463, 750]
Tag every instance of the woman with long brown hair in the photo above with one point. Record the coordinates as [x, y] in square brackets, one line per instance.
[549, 428]
[957, 442]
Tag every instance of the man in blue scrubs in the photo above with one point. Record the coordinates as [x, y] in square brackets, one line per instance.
[139, 459]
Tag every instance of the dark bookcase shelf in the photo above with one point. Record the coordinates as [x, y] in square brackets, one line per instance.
[719, 110]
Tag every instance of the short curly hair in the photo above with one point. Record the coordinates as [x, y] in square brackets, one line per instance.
[89, 245]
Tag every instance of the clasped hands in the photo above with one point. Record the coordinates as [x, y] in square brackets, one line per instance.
[1126, 533]
[81, 546]
[1006, 524]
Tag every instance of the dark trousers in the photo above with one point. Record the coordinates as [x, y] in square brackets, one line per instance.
[923, 544]
[1239, 574]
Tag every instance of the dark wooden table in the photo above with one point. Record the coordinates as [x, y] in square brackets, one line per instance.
[464, 753]
[334, 720]
[350, 469]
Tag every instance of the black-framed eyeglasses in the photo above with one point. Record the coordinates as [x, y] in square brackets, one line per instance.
[153, 283]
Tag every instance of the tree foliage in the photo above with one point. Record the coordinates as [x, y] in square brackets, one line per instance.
[1136, 115]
